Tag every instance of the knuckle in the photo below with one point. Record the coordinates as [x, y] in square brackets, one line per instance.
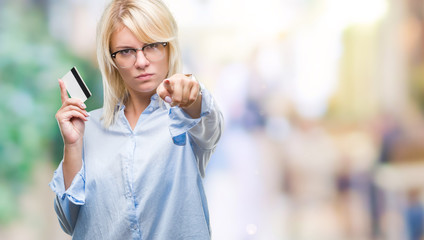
[67, 102]
[177, 99]
[193, 99]
[71, 101]
[74, 108]
[75, 113]
[175, 81]
[68, 108]
[160, 92]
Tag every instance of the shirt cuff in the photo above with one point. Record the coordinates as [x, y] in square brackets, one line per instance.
[181, 122]
[76, 192]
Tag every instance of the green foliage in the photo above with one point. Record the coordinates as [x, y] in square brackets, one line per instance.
[31, 61]
[7, 206]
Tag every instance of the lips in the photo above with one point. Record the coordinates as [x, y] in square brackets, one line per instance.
[144, 76]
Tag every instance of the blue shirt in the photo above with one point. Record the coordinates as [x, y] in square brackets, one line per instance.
[144, 183]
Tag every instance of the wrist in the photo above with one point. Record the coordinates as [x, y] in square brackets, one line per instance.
[194, 109]
[71, 147]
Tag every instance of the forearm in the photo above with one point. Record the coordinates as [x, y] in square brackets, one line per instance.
[72, 162]
[69, 186]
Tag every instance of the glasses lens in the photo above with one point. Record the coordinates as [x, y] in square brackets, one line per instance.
[126, 58]
[154, 52]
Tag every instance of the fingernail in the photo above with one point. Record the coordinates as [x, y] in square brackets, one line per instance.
[168, 99]
[83, 105]
[88, 114]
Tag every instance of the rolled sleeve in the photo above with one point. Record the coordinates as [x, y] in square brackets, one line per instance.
[203, 132]
[181, 122]
[76, 192]
[208, 129]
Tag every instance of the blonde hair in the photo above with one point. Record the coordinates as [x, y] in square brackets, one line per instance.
[150, 21]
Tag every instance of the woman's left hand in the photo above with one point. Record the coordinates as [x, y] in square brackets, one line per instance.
[179, 90]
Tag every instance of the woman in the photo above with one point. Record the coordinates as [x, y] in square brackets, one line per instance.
[133, 169]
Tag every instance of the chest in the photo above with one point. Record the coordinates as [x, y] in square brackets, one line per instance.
[139, 159]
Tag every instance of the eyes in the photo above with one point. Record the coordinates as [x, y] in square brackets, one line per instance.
[126, 58]
[152, 47]
[126, 52]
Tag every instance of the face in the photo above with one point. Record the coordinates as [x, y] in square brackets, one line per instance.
[144, 76]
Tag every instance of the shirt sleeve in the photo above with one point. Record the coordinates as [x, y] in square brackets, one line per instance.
[204, 132]
[67, 202]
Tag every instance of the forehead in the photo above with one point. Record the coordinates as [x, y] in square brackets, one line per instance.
[124, 37]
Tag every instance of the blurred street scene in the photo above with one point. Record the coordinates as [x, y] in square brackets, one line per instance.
[323, 103]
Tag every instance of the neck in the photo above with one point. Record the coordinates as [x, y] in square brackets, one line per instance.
[138, 102]
[135, 105]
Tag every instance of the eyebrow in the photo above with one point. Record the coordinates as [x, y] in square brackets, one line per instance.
[124, 47]
[129, 47]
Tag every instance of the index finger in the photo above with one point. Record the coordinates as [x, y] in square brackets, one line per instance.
[63, 93]
[167, 85]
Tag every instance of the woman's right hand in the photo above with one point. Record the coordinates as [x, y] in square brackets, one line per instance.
[71, 117]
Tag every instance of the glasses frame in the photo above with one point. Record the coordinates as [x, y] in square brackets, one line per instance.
[113, 55]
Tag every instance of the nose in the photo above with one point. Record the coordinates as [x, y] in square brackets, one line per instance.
[141, 61]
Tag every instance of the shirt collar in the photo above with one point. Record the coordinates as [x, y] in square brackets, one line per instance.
[155, 103]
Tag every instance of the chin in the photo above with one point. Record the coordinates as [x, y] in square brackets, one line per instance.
[147, 89]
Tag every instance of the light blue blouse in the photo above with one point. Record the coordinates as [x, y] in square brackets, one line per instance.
[144, 183]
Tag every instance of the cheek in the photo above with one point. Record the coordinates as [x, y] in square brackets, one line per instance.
[165, 67]
[122, 72]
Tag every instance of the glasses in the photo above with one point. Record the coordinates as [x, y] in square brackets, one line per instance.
[126, 58]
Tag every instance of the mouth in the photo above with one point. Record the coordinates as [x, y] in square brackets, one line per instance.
[144, 76]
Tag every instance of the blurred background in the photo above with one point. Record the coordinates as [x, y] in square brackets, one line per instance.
[323, 103]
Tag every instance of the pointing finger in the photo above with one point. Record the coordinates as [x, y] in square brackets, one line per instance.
[177, 95]
[163, 93]
[168, 86]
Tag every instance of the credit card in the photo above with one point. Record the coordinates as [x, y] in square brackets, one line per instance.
[75, 85]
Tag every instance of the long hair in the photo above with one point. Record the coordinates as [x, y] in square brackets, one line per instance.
[150, 21]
